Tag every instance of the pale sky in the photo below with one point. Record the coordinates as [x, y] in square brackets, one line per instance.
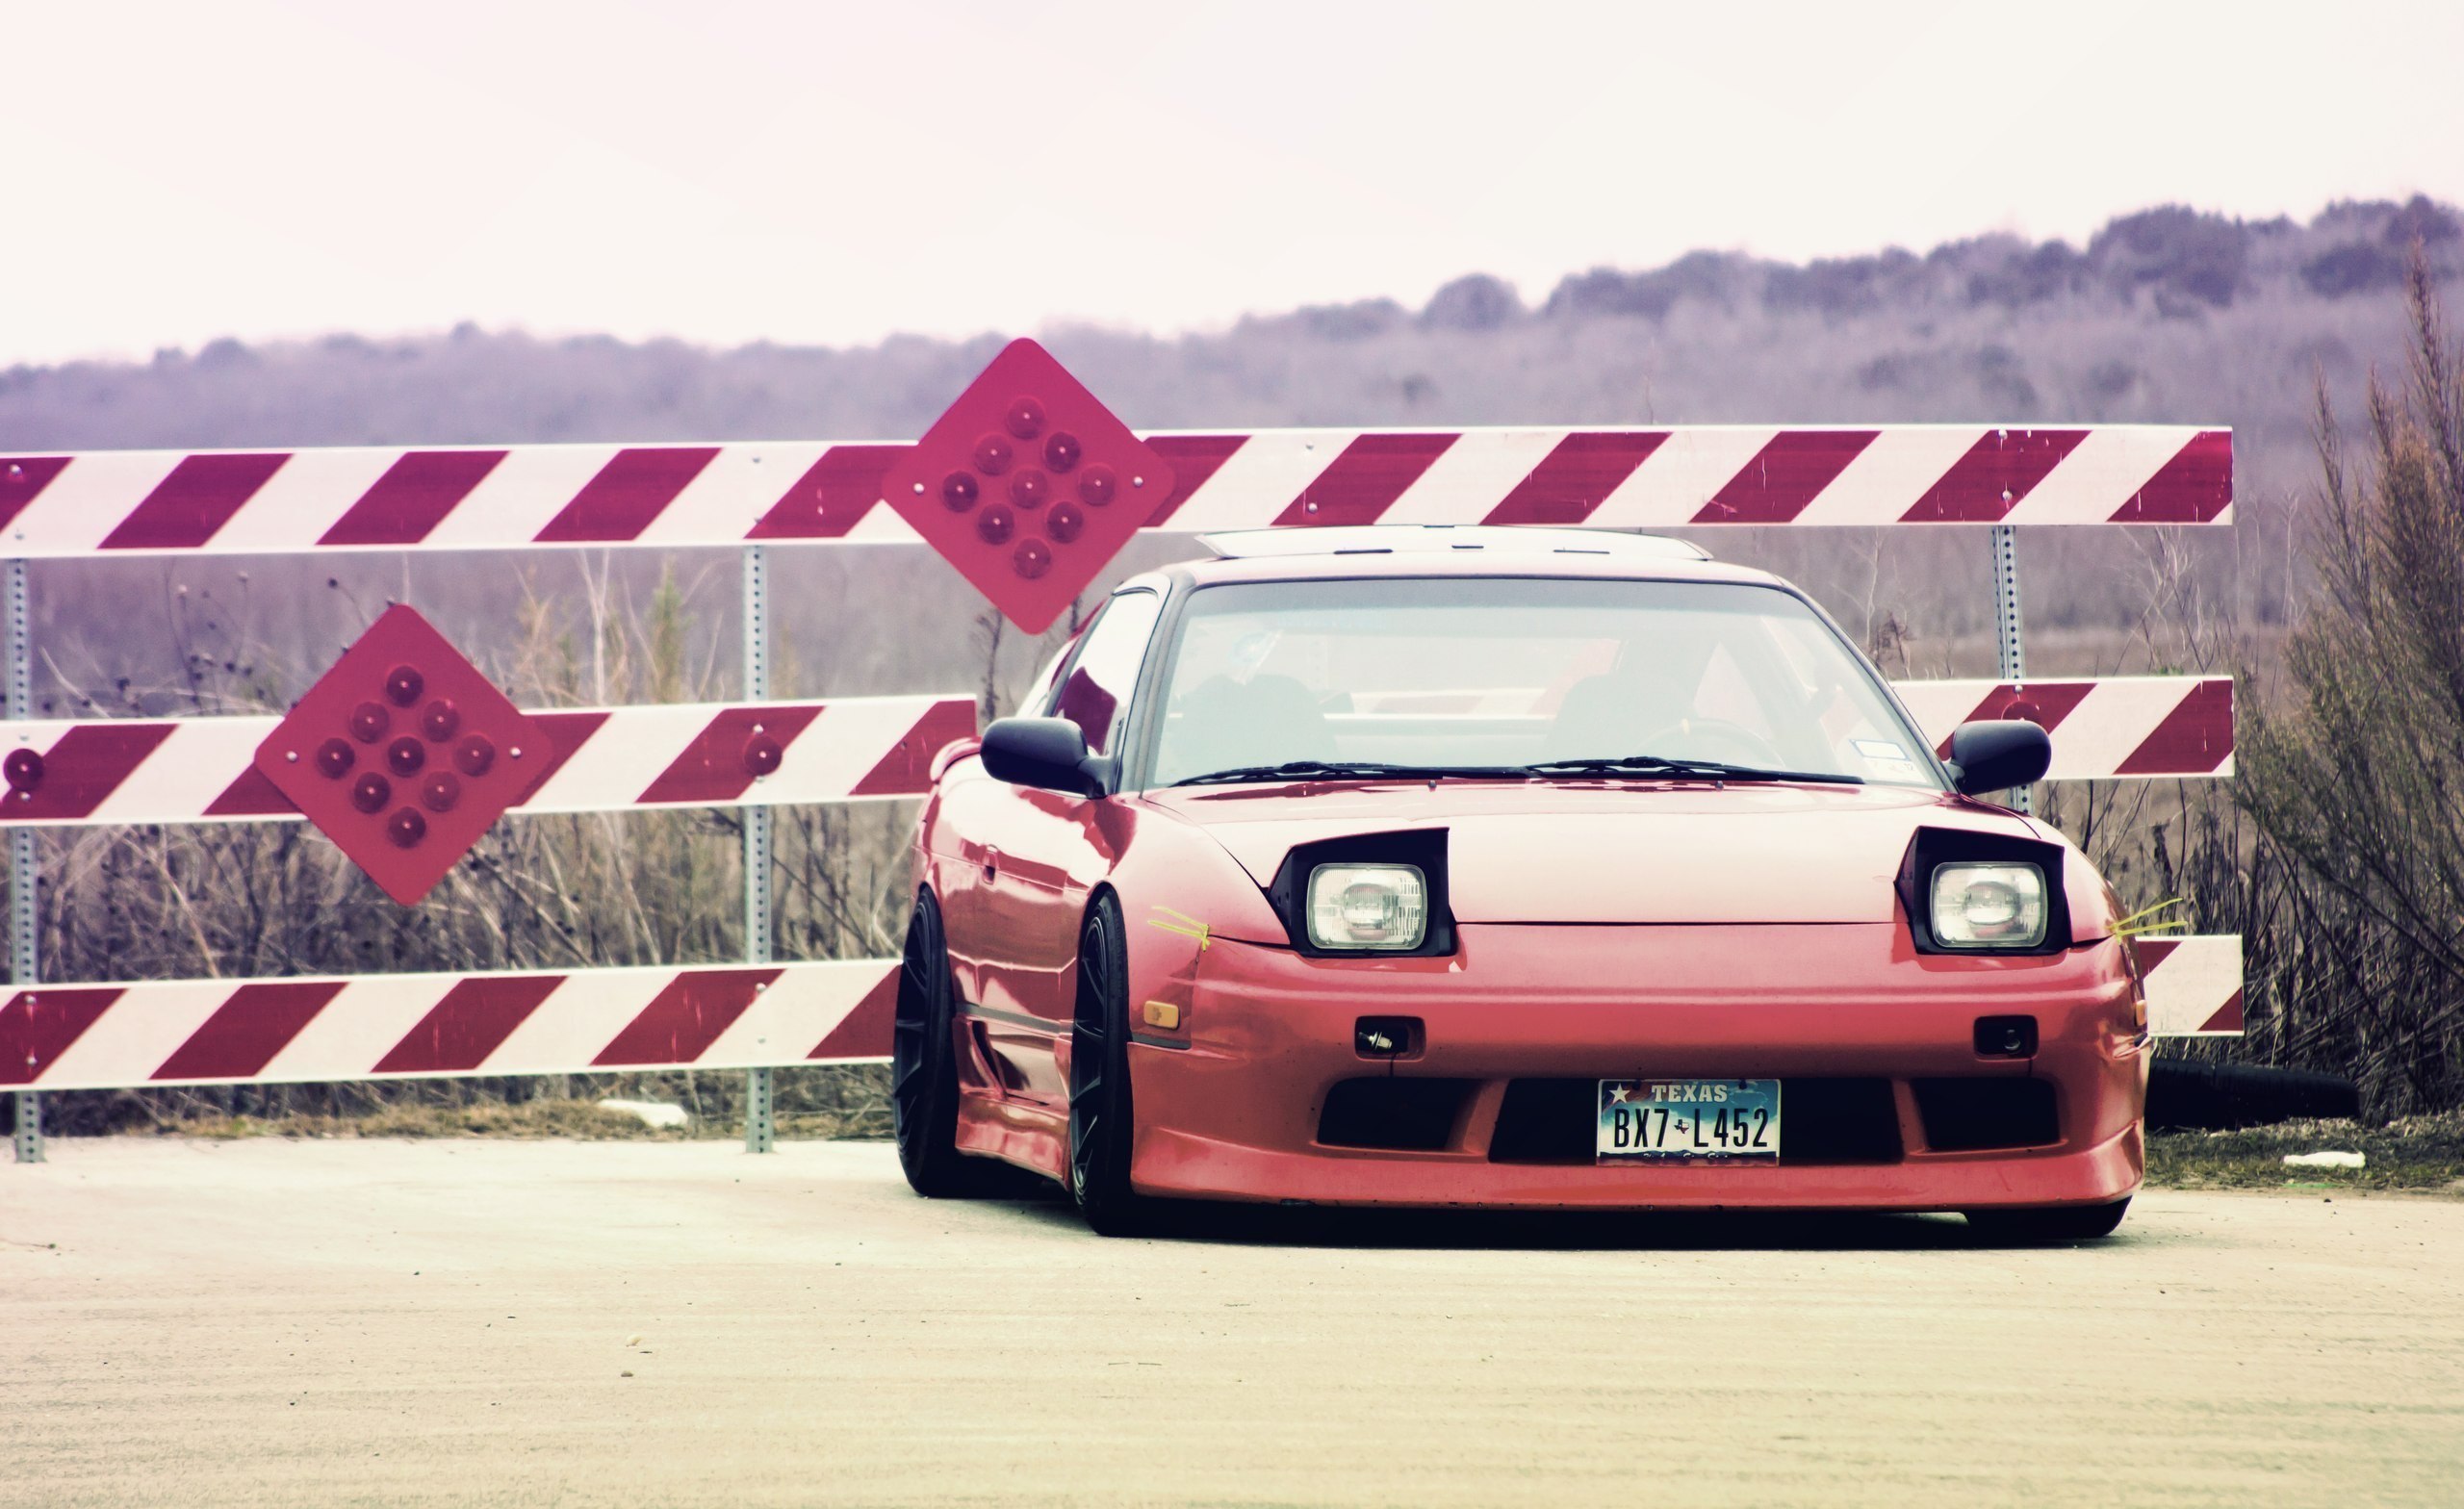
[833, 174]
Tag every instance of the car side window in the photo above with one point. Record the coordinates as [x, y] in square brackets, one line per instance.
[1047, 683]
[1094, 693]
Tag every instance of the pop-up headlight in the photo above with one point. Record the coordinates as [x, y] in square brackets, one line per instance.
[1366, 896]
[1970, 891]
[1368, 906]
[1988, 906]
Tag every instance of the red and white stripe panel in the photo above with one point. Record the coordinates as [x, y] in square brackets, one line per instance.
[2102, 726]
[364, 498]
[2194, 985]
[369, 1027]
[377, 1027]
[186, 770]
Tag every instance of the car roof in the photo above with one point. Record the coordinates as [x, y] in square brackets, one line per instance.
[1394, 539]
[1320, 553]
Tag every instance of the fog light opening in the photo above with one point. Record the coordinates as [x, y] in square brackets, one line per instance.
[1387, 1036]
[2006, 1036]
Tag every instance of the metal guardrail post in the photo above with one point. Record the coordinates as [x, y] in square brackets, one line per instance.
[23, 970]
[2006, 627]
[761, 1126]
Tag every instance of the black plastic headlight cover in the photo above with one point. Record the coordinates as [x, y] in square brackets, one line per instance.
[1421, 847]
[1938, 846]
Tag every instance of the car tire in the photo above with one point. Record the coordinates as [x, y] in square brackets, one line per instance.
[1101, 1116]
[924, 1070]
[2049, 1222]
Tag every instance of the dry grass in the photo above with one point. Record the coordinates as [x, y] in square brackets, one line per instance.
[583, 1120]
[2411, 1153]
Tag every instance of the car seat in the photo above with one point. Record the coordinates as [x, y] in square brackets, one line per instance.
[1612, 714]
[1225, 725]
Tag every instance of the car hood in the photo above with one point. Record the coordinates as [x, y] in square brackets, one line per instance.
[1613, 851]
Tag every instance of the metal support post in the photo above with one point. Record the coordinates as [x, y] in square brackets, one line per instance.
[761, 1126]
[22, 878]
[2006, 627]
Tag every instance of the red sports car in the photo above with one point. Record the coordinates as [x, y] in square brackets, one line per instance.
[1506, 868]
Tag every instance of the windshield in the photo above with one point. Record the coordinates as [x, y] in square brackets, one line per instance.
[1466, 673]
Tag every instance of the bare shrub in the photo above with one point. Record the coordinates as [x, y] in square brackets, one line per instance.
[2358, 780]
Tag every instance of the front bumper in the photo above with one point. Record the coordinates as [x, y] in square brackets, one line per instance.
[1523, 1016]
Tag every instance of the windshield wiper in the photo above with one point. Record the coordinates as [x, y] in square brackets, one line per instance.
[1621, 765]
[1340, 770]
[1663, 765]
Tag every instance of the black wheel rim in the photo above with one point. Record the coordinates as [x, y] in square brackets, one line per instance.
[1090, 1059]
[910, 1032]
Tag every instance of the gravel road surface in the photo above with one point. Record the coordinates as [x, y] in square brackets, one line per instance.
[653, 1323]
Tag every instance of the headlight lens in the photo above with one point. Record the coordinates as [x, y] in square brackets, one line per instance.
[1368, 906]
[1988, 906]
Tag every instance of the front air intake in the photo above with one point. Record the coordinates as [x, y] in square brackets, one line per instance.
[1392, 1114]
[1973, 1115]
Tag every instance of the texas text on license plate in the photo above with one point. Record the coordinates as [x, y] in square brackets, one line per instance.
[1689, 1118]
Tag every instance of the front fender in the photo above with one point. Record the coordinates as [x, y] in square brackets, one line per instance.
[1180, 894]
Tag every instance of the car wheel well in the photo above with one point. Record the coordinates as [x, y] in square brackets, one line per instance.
[1094, 898]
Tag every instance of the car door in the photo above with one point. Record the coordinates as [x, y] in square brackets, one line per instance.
[1043, 855]
[968, 806]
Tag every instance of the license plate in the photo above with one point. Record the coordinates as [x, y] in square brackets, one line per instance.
[1670, 1119]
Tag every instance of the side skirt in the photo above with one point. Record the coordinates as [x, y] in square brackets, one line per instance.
[1030, 1137]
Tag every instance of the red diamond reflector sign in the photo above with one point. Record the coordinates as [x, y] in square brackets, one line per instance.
[403, 755]
[1028, 485]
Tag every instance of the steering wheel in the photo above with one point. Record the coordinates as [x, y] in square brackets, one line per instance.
[1728, 742]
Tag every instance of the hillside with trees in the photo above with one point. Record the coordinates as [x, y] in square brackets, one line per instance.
[2168, 315]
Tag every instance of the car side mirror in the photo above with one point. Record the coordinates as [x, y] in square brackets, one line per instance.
[1998, 753]
[1045, 752]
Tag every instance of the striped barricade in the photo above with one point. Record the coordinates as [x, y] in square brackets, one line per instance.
[318, 1029]
[517, 497]
[366, 1027]
[2193, 984]
[2103, 728]
[185, 770]
[106, 503]
[189, 770]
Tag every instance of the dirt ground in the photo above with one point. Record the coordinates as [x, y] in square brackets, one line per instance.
[283, 1323]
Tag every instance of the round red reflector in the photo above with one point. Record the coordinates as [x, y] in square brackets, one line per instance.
[474, 754]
